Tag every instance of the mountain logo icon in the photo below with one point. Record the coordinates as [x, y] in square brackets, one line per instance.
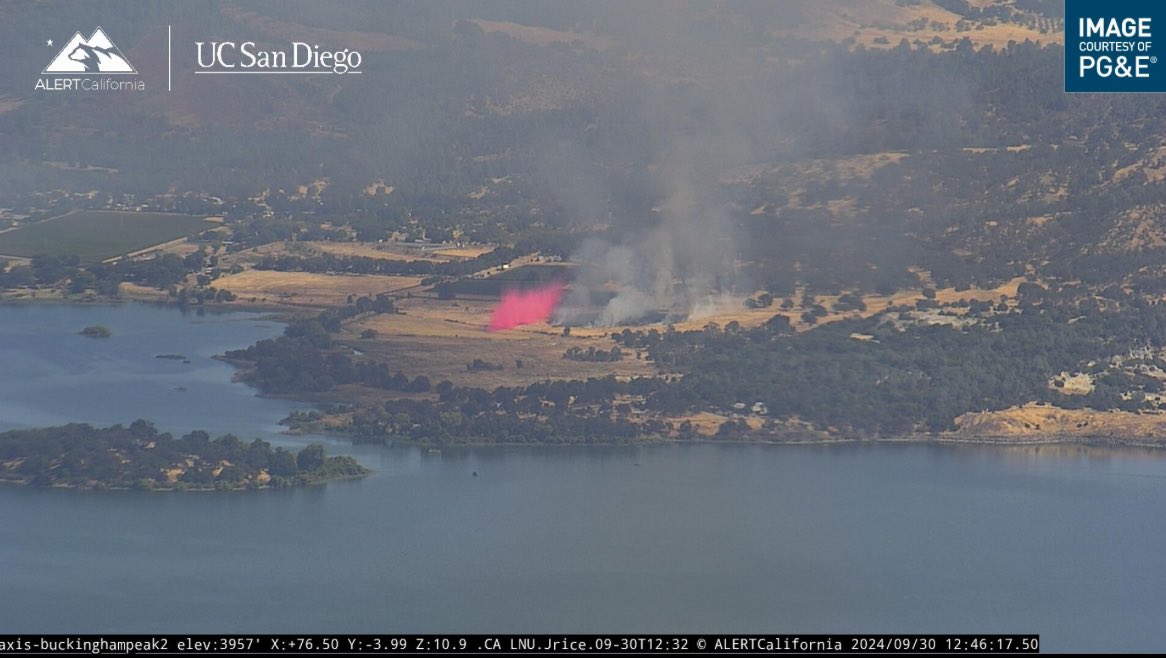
[97, 54]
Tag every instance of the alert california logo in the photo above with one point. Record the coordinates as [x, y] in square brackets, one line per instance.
[83, 64]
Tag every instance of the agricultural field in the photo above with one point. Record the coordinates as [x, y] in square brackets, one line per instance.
[96, 235]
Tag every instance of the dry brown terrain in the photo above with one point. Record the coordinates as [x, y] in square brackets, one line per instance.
[381, 250]
[1036, 422]
[139, 293]
[305, 289]
[378, 250]
[707, 423]
[180, 247]
[28, 294]
[472, 251]
[726, 310]
[883, 23]
[852, 166]
[1136, 229]
[438, 338]
[543, 36]
[878, 303]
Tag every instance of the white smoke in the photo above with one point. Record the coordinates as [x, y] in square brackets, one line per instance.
[678, 265]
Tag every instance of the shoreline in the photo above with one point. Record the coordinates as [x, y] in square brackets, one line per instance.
[282, 313]
[276, 310]
[1001, 441]
[262, 487]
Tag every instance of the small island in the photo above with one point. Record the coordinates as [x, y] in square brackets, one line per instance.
[96, 331]
[139, 457]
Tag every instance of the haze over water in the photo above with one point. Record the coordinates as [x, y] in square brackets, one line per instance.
[1060, 541]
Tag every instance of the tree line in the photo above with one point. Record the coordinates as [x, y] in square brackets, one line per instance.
[141, 457]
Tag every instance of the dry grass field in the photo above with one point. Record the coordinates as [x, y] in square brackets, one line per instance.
[429, 317]
[472, 251]
[1039, 422]
[380, 250]
[878, 303]
[732, 309]
[883, 23]
[707, 423]
[305, 289]
[377, 250]
[180, 247]
[438, 338]
[142, 293]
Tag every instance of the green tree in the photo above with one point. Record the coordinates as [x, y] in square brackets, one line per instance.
[282, 464]
[310, 458]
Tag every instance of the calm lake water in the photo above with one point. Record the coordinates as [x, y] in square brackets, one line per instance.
[1061, 541]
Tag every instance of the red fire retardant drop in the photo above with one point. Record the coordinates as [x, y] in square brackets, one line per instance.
[525, 307]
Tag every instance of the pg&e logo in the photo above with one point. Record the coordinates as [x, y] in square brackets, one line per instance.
[1110, 47]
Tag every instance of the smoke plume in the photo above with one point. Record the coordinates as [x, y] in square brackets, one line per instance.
[680, 259]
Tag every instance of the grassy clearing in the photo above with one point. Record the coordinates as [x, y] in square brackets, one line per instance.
[96, 235]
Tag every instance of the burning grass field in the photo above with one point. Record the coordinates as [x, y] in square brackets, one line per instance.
[96, 235]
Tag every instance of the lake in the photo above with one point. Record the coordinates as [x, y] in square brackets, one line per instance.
[913, 538]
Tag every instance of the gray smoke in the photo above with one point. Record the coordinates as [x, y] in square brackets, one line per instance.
[681, 263]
